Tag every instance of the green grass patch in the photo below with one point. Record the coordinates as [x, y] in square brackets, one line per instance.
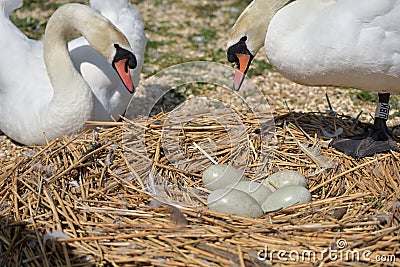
[31, 27]
[259, 67]
[365, 96]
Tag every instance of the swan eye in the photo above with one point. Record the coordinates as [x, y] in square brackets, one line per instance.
[132, 62]
[232, 58]
[243, 39]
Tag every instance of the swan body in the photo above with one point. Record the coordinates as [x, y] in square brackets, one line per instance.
[351, 43]
[344, 43]
[42, 95]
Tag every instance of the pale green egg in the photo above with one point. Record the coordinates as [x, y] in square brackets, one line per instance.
[220, 175]
[285, 197]
[257, 190]
[233, 201]
[284, 178]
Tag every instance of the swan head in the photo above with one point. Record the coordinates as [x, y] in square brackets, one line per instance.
[123, 62]
[112, 44]
[103, 36]
[246, 39]
[248, 34]
[240, 54]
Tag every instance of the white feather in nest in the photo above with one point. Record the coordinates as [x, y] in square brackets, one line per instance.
[54, 235]
[314, 153]
[174, 195]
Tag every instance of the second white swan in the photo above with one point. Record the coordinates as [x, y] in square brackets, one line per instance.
[351, 43]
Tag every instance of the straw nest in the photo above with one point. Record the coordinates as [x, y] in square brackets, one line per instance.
[83, 201]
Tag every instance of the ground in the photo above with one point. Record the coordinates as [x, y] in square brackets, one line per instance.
[186, 31]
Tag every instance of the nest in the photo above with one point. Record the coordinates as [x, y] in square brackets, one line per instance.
[85, 201]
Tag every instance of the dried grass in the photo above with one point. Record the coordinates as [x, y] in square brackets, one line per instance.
[80, 202]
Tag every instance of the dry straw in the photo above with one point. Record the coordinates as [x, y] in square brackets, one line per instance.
[80, 201]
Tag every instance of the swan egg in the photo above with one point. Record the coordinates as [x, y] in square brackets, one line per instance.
[284, 178]
[220, 175]
[233, 201]
[285, 197]
[257, 190]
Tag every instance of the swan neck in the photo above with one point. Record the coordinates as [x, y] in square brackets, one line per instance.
[68, 84]
[98, 31]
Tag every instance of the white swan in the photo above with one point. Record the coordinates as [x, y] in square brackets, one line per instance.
[42, 95]
[111, 97]
[350, 43]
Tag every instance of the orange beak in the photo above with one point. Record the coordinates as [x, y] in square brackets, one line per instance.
[122, 69]
[241, 69]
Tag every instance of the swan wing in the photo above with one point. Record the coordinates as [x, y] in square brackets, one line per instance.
[8, 6]
[23, 76]
[14, 45]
